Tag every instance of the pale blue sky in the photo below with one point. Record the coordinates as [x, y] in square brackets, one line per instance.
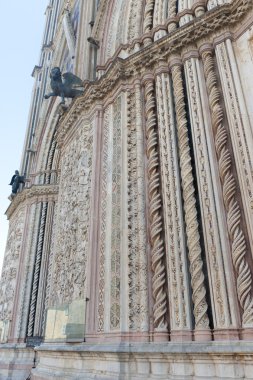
[21, 30]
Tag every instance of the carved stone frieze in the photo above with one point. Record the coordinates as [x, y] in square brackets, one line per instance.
[110, 43]
[137, 238]
[11, 264]
[68, 279]
[134, 21]
[109, 298]
[116, 216]
[24, 297]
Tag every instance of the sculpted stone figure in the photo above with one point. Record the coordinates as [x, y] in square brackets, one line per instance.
[65, 85]
[16, 180]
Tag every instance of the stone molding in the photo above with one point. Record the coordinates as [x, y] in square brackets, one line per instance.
[35, 193]
[146, 361]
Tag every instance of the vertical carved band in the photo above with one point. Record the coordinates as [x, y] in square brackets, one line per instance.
[50, 162]
[40, 315]
[193, 237]
[155, 211]
[172, 8]
[234, 221]
[176, 256]
[116, 216]
[37, 270]
[148, 15]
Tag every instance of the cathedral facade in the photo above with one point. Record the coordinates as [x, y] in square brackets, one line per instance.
[130, 247]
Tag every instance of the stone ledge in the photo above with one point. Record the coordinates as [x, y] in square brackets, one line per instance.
[193, 361]
[231, 347]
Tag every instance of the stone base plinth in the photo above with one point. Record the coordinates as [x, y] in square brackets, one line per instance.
[163, 361]
[16, 361]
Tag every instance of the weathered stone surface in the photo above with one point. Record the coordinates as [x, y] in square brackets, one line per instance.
[138, 201]
[146, 360]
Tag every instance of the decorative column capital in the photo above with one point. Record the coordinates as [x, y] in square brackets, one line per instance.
[148, 77]
[191, 52]
[206, 47]
[175, 60]
[199, 8]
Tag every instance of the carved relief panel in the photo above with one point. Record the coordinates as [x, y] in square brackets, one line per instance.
[123, 299]
[11, 263]
[68, 279]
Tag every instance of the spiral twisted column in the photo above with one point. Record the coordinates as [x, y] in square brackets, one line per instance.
[155, 211]
[36, 274]
[148, 19]
[234, 218]
[172, 12]
[192, 225]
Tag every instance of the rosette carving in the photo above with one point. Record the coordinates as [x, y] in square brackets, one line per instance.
[193, 237]
[155, 211]
[234, 219]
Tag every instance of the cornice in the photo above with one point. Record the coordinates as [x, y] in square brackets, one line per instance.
[32, 193]
[149, 57]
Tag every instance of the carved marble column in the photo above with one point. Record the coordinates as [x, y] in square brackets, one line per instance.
[202, 330]
[172, 12]
[37, 266]
[176, 250]
[213, 225]
[239, 126]
[148, 19]
[41, 294]
[230, 192]
[160, 308]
